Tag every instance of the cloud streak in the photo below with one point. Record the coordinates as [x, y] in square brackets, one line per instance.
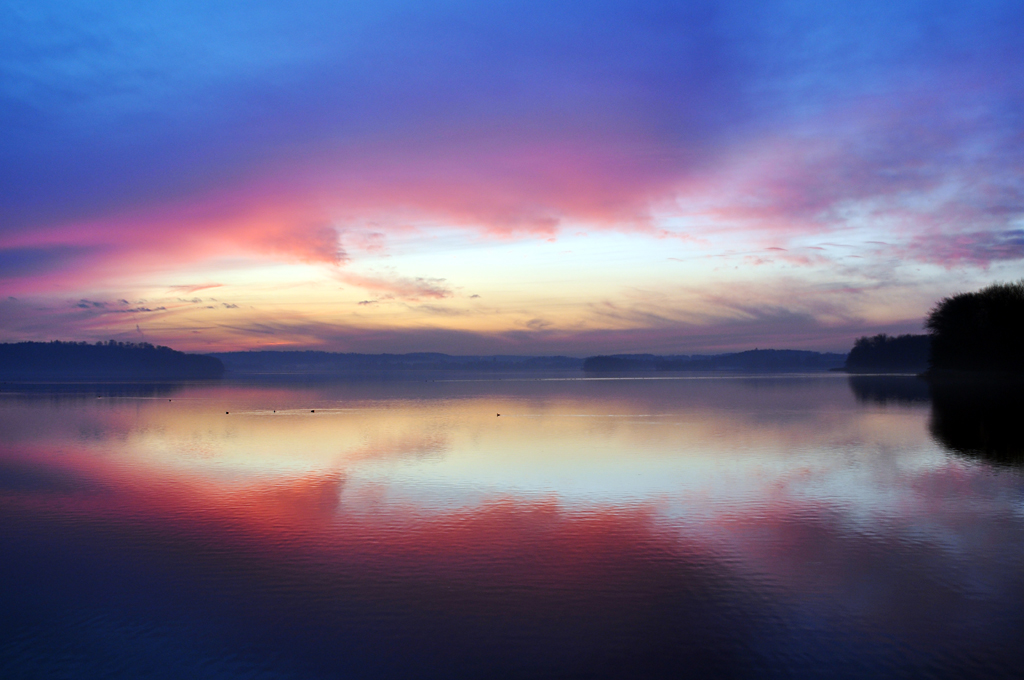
[392, 287]
[162, 143]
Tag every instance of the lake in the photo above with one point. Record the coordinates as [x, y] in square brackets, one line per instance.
[761, 526]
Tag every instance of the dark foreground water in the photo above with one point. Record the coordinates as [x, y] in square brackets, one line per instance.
[763, 527]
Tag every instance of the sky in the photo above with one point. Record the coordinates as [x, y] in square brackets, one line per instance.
[504, 177]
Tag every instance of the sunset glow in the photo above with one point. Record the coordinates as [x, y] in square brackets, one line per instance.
[519, 178]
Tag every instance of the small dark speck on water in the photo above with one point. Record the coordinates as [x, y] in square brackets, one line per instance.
[312, 410]
[499, 415]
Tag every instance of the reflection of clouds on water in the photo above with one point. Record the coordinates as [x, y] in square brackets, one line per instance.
[312, 496]
[983, 421]
[787, 583]
[661, 526]
[413, 445]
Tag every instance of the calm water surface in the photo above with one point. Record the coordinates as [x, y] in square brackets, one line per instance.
[729, 527]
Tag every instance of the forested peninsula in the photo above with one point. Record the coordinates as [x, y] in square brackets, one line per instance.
[979, 333]
[890, 354]
[111, 360]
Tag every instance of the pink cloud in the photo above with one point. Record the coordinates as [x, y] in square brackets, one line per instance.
[901, 164]
[979, 248]
[917, 166]
[399, 286]
[186, 289]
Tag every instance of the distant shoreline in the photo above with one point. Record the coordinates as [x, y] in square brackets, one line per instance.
[317, 363]
[103, 361]
[114, 362]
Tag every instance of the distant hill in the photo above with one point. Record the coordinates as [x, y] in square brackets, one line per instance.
[889, 354]
[128, 361]
[633, 362]
[314, 363]
[344, 363]
[751, 361]
[102, 361]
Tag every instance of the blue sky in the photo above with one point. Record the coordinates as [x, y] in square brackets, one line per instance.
[504, 177]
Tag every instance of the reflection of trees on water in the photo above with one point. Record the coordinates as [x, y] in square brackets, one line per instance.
[979, 420]
[885, 389]
[976, 419]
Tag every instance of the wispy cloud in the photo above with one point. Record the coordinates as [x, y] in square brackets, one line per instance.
[318, 136]
[192, 288]
[406, 288]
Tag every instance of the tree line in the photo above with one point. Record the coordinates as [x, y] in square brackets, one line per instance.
[979, 331]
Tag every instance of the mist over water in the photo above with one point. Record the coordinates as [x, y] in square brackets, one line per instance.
[719, 527]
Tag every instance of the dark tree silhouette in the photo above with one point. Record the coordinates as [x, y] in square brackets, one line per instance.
[982, 331]
[887, 353]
